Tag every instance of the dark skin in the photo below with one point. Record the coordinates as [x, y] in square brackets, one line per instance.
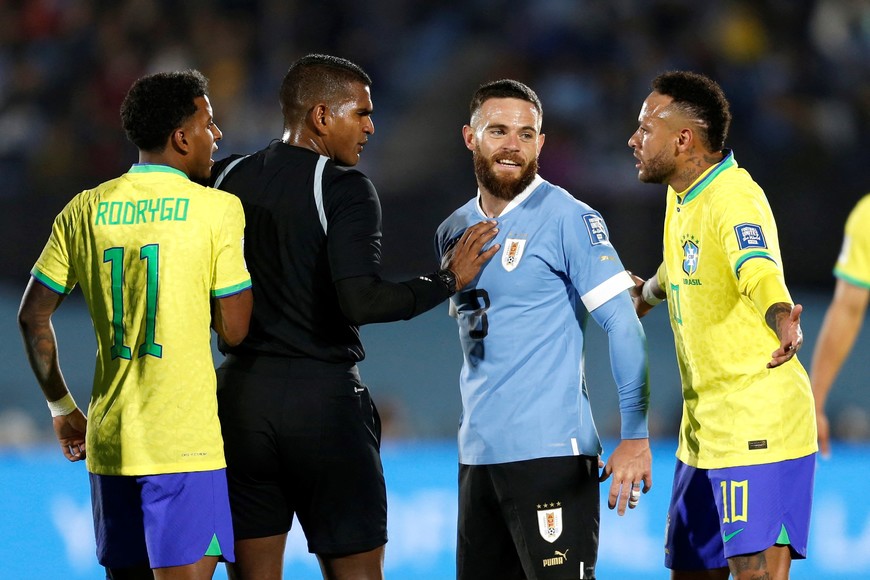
[187, 149]
[671, 150]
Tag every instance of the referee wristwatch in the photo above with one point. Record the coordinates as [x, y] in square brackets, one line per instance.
[449, 279]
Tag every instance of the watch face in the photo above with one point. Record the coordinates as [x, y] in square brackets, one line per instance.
[449, 280]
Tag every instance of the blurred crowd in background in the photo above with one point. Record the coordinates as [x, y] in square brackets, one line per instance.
[797, 73]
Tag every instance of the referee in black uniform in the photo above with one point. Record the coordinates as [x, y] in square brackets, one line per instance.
[301, 432]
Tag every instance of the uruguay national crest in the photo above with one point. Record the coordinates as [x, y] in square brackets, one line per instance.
[690, 257]
[513, 252]
[550, 523]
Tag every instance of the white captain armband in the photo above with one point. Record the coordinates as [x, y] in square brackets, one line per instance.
[648, 295]
[63, 406]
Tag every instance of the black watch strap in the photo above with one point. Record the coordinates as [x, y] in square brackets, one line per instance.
[449, 280]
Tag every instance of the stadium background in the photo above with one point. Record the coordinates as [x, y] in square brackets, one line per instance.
[798, 77]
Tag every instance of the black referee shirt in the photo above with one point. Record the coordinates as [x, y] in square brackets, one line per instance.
[292, 198]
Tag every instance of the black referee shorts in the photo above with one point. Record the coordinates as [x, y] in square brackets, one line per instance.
[302, 437]
[529, 520]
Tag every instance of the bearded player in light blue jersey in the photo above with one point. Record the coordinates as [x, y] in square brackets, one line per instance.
[528, 447]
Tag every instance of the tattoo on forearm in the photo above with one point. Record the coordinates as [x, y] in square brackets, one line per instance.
[42, 352]
[774, 313]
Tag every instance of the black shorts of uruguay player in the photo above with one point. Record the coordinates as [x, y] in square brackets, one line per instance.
[302, 437]
[535, 519]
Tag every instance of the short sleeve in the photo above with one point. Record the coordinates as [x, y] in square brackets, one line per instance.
[230, 272]
[853, 263]
[54, 267]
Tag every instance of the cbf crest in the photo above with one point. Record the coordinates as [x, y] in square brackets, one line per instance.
[691, 254]
[513, 253]
[550, 522]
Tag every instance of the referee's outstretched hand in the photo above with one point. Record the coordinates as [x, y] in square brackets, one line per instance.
[629, 464]
[467, 256]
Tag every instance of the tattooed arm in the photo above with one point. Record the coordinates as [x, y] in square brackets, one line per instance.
[785, 320]
[40, 344]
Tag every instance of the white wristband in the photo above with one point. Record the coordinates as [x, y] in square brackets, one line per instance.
[648, 295]
[63, 406]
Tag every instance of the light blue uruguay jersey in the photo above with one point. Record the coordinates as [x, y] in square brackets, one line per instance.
[521, 325]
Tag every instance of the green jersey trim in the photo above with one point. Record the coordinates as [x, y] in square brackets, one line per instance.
[49, 283]
[154, 168]
[746, 257]
[696, 189]
[230, 290]
[850, 279]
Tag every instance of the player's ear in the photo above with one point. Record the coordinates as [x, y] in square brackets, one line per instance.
[685, 139]
[468, 136]
[319, 118]
[178, 141]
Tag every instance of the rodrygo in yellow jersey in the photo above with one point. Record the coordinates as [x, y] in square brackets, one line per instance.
[853, 264]
[719, 239]
[149, 250]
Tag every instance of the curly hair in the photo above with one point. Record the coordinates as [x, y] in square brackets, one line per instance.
[318, 77]
[158, 104]
[700, 97]
[503, 89]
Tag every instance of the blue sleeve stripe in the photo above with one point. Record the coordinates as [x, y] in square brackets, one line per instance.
[746, 257]
[231, 290]
[49, 283]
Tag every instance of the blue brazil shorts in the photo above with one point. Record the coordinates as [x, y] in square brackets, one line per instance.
[717, 514]
[164, 520]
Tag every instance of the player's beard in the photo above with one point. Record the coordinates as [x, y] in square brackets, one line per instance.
[658, 169]
[505, 188]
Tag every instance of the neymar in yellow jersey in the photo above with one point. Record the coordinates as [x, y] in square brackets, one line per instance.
[746, 457]
[159, 260]
[845, 315]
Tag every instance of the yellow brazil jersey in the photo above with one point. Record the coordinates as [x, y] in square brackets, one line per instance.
[736, 411]
[149, 251]
[853, 264]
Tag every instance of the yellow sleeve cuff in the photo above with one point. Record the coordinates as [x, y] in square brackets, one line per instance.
[662, 276]
[764, 284]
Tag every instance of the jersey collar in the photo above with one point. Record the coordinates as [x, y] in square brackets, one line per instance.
[155, 168]
[707, 177]
[538, 180]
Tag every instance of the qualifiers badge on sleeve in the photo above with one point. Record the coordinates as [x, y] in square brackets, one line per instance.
[749, 236]
[513, 252]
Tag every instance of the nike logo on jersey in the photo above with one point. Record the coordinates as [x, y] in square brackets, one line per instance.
[727, 537]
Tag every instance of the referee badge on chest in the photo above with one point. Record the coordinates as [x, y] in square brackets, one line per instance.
[512, 253]
[550, 522]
